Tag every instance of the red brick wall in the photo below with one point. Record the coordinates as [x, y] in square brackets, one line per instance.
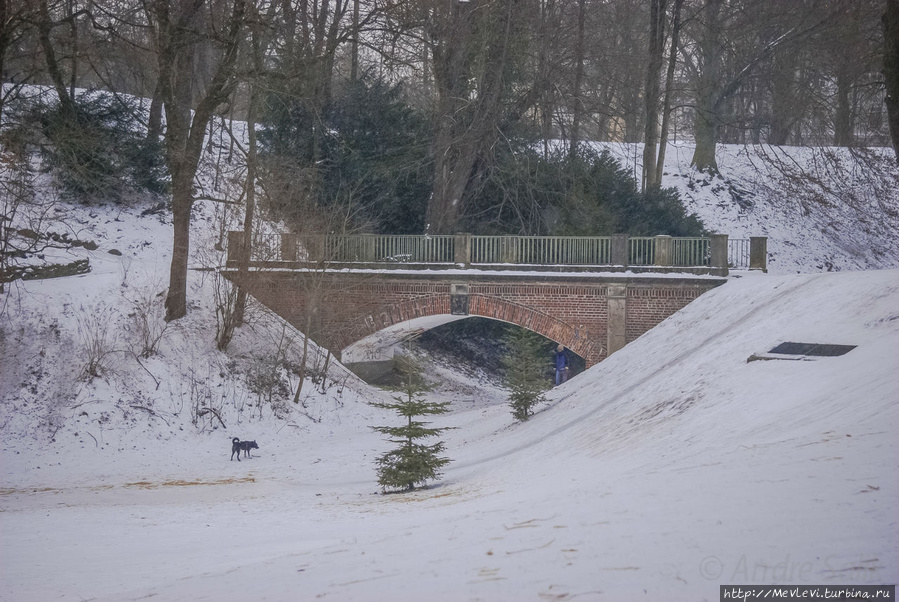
[348, 307]
[647, 306]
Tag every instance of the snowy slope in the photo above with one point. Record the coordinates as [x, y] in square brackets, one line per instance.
[822, 209]
[673, 466]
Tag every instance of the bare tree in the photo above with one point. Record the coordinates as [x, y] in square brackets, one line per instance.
[472, 46]
[669, 93]
[728, 49]
[577, 100]
[46, 23]
[15, 69]
[179, 33]
[891, 68]
[651, 92]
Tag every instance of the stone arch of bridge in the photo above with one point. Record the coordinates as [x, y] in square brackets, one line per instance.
[440, 308]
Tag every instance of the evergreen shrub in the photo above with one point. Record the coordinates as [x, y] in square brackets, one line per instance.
[530, 192]
[366, 152]
[525, 371]
[412, 462]
[99, 151]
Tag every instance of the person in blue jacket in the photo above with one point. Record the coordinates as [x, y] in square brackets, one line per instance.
[561, 365]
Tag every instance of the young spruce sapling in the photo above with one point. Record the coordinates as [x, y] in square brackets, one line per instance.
[412, 462]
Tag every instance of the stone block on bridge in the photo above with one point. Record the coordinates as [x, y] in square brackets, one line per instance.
[758, 253]
[718, 249]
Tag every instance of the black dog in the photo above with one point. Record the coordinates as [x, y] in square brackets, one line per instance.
[237, 446]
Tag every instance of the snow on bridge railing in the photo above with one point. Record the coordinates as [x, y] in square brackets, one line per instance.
[715, 252]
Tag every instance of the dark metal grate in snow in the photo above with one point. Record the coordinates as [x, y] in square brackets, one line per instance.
[813, 349]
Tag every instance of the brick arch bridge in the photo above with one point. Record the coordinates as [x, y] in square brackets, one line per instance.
[411, 311]
[355, 312]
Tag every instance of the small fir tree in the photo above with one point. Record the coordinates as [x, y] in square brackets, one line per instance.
[525, 369]
[412, 463]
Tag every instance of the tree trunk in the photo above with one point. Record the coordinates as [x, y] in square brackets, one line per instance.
[451, 74]
[302, 368]
[782, 97]
[45, 28]
[632, 125]
[354, 64]
[454, 161]
[185, 134]
[706, 121]
[543, 89]
[178, 134]
[465, 126]
[154, 120]
[651, 91]
[73, 26]
[250, 191]
[7, 22]
[669, 92]
[891, 69]
[324, 382]
[577, 100]
[842, 123]
[182, 202]
[250, 184]
[705, 131]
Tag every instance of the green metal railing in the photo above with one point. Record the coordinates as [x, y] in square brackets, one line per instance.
[542, 250]
[465, 249]
[641, 250]
[738, 253]
[375, 248]
[690, 251]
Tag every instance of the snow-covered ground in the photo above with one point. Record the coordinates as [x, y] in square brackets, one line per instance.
[670, 468]
[822, 209]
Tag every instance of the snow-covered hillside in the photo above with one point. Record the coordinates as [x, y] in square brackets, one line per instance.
[673, 466]
[822, 209]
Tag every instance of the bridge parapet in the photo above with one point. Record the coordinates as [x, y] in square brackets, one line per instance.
[715, 254]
